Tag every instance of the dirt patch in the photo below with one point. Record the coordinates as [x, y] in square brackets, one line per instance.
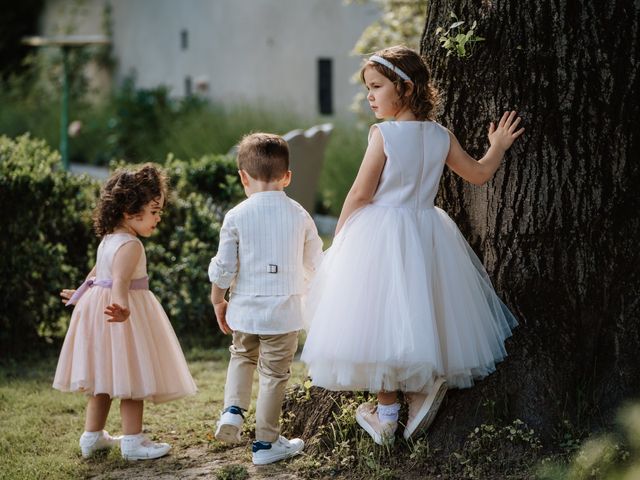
[199, 463]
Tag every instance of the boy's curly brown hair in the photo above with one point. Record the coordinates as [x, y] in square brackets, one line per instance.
[425, 98]
[128, 191]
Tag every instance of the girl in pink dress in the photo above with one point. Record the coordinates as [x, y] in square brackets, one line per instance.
[120, 343]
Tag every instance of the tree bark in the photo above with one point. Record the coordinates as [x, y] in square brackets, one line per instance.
[557, 226]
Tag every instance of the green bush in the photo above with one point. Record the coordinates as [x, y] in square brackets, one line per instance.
[606, 456]
[46, 216]
[49, 243]
[178, 256]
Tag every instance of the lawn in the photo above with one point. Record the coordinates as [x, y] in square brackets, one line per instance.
[40, 427]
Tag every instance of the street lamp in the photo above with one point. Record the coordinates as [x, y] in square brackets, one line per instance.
[65, 43]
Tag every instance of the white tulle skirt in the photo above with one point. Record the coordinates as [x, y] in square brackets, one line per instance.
[399, 299]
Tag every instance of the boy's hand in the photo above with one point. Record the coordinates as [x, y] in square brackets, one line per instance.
[221, 316]
[66, 294]
[117, 313]
[503, 136]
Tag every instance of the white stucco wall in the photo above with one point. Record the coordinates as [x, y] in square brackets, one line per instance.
[249, 50]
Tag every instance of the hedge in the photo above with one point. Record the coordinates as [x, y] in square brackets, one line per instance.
[48, 243]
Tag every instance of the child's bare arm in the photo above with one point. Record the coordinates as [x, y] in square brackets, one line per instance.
[366, 183]
[220, 307]
[480, 171]
[222, 270]
[67, 293]
[124, 264]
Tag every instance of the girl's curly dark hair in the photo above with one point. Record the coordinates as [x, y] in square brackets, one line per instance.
[425, 98]
[128, 191]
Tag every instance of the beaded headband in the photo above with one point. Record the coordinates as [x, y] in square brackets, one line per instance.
[390, 66]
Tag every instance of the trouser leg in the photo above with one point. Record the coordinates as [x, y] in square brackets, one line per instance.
[274, 370]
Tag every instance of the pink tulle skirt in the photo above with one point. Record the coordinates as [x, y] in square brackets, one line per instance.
[139, 359]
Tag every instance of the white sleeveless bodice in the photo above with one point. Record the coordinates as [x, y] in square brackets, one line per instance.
[107, 251]
[416, 154]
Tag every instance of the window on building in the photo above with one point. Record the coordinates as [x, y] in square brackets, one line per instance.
[188, 86]
[184, 39]
[325, 86]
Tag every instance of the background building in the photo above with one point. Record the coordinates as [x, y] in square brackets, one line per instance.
[290, 54]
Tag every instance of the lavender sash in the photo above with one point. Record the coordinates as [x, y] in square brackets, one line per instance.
[136, 284]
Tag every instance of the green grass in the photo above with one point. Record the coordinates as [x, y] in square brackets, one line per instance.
[40, 427]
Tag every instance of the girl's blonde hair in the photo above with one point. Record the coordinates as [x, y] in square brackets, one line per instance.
[425, 98]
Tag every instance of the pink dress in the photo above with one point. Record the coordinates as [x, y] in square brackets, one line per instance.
[138, 359]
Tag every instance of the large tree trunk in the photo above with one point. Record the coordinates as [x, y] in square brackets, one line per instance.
[557, 227]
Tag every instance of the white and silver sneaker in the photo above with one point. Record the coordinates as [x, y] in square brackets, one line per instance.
[423, 408]
[139, 447]
[91, 442]
[383, 433]
[229, 427]
[265, 452]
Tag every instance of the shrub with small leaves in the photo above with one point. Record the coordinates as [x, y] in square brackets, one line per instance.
[46, 218]
[178, 256]
[48, 242]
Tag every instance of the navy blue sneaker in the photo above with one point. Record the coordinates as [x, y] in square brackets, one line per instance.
[265, 452]
[230, 425]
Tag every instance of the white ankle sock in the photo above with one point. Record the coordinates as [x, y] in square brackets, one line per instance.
[388, 413]
[91, 436]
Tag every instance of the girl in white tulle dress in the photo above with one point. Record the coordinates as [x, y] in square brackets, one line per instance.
[120, 343]
[401, 302]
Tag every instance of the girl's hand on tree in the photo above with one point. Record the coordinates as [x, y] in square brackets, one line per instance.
[506, 133]
[66, 294]
[117, 313]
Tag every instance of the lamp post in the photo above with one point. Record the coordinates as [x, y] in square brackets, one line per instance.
[65, 43]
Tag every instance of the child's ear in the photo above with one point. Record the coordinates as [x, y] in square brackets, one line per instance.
[244, 178]
[409, 91]
[286, 180]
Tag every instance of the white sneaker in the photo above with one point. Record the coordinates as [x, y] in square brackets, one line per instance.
[265, 452]
[423, 408]
[230, 425]
[91, 442]
[138, 447]
[383, 433]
